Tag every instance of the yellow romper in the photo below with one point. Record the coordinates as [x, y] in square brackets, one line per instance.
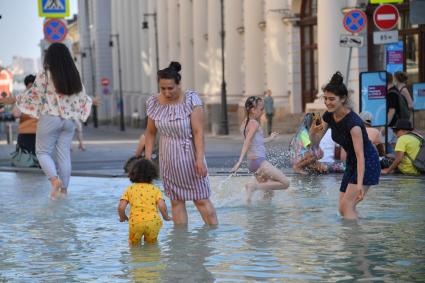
[144, 218]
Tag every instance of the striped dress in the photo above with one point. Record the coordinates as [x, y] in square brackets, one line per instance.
[176, 148]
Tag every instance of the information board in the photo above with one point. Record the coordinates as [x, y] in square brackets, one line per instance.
[418, 91]
[373, 92]
[394, 56]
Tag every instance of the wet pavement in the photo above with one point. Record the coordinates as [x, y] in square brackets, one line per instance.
[108, 149]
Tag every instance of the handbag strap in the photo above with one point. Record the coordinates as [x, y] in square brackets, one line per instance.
[421, 140]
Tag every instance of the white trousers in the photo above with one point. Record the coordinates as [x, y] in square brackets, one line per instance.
[53, 147]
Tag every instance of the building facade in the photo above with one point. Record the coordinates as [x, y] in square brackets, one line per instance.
[288, 46]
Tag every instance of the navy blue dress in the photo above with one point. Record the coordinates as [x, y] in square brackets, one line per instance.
[341, 135]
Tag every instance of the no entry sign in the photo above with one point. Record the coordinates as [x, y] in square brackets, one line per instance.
[104, 81]
[385, 17]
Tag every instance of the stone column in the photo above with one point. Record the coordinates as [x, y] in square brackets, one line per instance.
[102, 51]
[233, 50]
[331, 57]
[163, 44]
[214, 64]
[214, 51]
[151, 68]
[200, 46]
[254, 48]
[86, 61]
[173, 31]
[186, 43]
[276, 56]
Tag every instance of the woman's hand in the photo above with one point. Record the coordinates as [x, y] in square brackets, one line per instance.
[361, 192]
[236, 167]
[316, 129]
[200, 168]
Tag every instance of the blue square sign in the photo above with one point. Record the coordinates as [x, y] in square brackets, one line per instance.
[53, 8]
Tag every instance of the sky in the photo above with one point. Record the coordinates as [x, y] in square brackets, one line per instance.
[21, 29]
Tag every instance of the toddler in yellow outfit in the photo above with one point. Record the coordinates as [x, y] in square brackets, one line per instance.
[144, 199]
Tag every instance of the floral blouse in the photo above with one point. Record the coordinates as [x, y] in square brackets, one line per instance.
[42, 99]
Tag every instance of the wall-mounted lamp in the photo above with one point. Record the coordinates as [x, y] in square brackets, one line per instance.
[292, 20]
[240, 30]
[262, 25]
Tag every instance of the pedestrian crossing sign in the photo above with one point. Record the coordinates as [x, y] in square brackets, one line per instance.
[53, 8]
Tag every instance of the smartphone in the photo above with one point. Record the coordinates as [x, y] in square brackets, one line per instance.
[317, 118]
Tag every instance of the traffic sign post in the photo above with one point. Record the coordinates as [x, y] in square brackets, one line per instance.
[53, 8]
[55, 30]
[348, 40]
[384, 37]
[386, 17]
[385, 1]
[355, 21]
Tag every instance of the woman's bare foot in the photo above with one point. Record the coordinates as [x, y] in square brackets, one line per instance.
[81, 147]
[250, 188]
[56, 188]
[64, 192]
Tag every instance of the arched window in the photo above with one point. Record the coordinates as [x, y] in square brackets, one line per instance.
[308, 32]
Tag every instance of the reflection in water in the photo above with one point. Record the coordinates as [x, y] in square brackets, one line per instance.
[297, 237]
[185, 255]
[144, 264]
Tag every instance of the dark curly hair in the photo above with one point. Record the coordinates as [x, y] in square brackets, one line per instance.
[143, 171]
[171, 72]
[336, 86]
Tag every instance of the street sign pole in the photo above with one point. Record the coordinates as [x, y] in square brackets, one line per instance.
[354, 22]
[348, 66]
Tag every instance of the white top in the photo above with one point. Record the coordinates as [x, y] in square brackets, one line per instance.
[42, 99]
[327, 145]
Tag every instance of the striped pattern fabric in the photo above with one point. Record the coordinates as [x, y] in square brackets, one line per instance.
[176, 148]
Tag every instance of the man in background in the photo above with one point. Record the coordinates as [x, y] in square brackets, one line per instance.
[269, 110]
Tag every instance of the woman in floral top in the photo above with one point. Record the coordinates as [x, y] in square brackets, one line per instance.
[56, 98]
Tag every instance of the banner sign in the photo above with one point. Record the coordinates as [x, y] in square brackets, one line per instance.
[394, 54]
[418, 96]
[373, 92]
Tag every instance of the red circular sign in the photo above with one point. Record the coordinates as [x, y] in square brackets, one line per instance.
[385, 17]
[104, 81]
[55, 30]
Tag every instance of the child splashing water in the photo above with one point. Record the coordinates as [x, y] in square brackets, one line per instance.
[268, 177]
[144, 199]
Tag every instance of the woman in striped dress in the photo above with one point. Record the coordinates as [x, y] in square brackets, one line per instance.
[178, 118]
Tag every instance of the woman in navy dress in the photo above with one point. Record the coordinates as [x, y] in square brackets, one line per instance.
[348, 130]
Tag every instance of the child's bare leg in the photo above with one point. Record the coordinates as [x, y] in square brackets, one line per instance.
[250, 188]
[276, 180]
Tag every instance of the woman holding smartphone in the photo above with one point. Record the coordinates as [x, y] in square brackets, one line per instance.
[348, 130]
